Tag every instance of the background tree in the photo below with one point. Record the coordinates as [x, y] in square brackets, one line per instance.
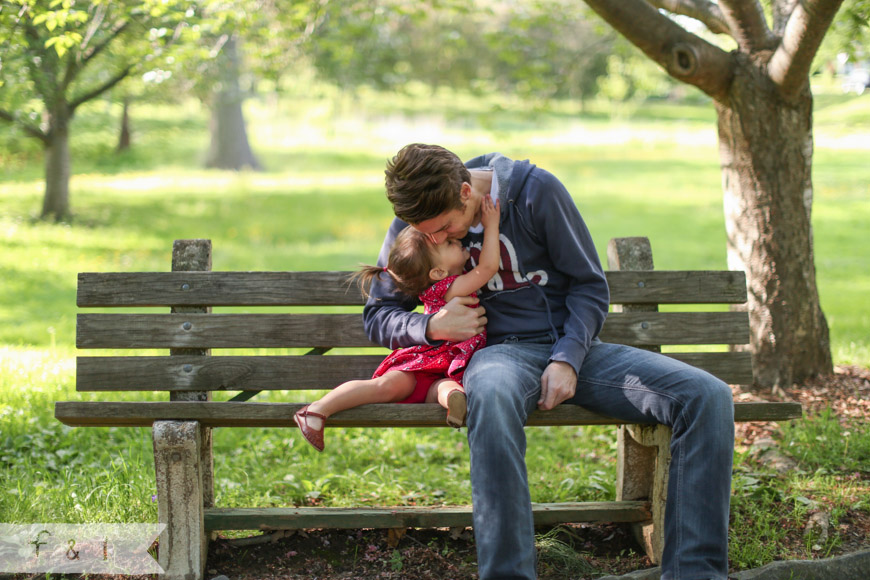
[764, 105]
[536, 50]
[60, 54]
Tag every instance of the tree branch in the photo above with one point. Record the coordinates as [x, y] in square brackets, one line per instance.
[703, 11]
[746, 19]
[27, 127]
[101, 89]
[684, 56]
[119, 27]
[76, 65]
[789, 67]
[96, 22]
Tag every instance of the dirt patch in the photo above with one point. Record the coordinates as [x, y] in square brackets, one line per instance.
[573, 551]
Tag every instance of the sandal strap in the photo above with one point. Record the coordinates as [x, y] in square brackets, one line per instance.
[304, 412]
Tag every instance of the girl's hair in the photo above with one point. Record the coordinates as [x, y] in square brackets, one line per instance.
[408, 264]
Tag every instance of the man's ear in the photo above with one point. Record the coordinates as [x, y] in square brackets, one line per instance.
[436, 274]
[465, 191]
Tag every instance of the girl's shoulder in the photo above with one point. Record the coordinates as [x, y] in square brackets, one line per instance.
[437, 290]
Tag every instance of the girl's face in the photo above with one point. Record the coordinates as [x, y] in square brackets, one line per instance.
[450, 257]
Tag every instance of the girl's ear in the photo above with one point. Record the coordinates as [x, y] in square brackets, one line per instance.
[436, 274]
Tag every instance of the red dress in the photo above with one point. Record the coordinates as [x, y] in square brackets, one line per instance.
[447, 359]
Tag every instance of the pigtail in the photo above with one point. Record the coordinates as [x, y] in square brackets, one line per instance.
[408, 266]
[365, 277]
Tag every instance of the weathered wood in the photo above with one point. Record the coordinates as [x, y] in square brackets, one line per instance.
[332, 288]
[195, 256]
[345, 330]
[263, 373]
[217, 289]
[651, 484]
[638, 465]
[177, 462]
[411, 516]
[227, 414]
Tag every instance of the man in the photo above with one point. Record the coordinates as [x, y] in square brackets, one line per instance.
[543, 312]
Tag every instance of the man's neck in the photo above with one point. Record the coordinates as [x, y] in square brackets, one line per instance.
[481, 182]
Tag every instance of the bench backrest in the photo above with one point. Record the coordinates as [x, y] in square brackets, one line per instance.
[290, 319]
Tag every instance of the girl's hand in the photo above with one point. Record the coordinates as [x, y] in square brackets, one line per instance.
[490, 213]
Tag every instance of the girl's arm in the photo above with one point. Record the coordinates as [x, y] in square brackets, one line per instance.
[488, 262]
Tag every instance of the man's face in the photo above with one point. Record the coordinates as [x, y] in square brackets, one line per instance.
[452, 224]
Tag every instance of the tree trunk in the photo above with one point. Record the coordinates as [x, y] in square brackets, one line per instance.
[124, 139]
[55, 204]
[229, 137]
[766, 149]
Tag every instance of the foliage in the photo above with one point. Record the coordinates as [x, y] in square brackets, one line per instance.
[71, 52]
[543, 49]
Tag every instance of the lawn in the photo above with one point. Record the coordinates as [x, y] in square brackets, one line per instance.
[319, 205]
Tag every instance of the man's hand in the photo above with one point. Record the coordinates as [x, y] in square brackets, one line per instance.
[558, 383]
[456, 322]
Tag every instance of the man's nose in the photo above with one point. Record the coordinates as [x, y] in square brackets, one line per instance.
[438, 237]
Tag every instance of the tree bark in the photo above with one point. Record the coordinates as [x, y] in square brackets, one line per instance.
[766, 149]
[55, 204]
[124, 137]
[229, 148]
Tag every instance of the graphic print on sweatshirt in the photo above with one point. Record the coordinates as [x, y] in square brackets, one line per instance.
[508, 276]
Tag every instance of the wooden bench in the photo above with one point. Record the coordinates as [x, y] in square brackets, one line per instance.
[181, 427]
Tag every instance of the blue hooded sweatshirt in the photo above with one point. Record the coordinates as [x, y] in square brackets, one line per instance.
[550, 281]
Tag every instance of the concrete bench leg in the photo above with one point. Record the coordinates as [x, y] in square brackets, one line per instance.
[177, 461]
[643, 460]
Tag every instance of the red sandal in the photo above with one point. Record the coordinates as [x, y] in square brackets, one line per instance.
[313, 436]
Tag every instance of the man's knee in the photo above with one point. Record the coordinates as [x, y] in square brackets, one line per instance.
[496, 386]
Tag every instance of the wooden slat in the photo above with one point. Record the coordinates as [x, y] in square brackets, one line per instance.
[216, 289]
[677, 287]
[221, 373]
[345, 330]
[220, 331]
[293, 518]
[332, 288]
[256, 373]
[735, 368]
[225, 414]
[657, 328]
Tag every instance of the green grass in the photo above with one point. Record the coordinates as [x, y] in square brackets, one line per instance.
[320, 205]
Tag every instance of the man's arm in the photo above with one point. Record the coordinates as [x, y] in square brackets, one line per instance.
[573, 253]
[388, 316]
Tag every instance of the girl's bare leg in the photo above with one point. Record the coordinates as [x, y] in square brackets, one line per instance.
[390, 387]
[451, 396]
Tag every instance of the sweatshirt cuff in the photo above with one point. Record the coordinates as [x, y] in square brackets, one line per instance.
[417, 330]
[569, 351]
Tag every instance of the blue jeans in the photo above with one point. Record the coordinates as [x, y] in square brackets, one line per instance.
[503, 386]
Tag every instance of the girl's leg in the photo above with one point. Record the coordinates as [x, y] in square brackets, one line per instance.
[390, 387]
[450, 395]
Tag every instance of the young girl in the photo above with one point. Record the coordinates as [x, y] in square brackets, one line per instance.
[424, 373]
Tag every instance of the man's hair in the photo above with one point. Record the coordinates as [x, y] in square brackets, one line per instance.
[424, 181]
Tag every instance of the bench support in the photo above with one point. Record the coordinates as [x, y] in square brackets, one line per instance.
[195, 256]
[178, 466]
[643, 459]
[643, 451]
